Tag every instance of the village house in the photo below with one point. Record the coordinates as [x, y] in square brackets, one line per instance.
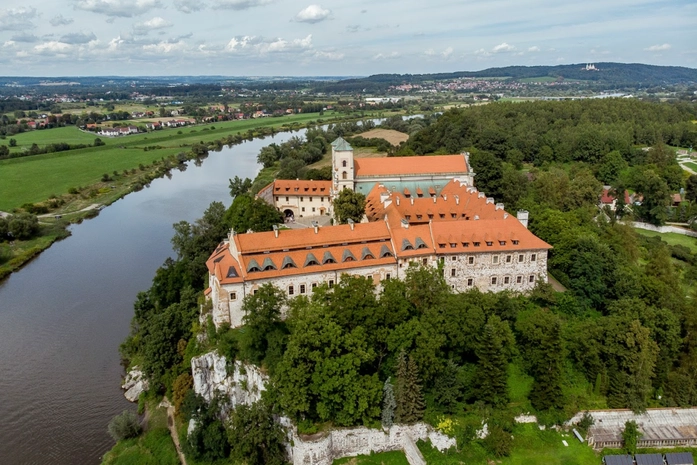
[419, 218]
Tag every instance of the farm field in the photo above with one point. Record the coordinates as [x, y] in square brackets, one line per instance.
[35, 178]
[390, 135]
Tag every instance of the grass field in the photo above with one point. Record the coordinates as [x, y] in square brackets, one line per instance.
[386, 458]
[154, 447]
[35, 178]
[691, 165]
[672, 238]
[69, 134]
[538, 79]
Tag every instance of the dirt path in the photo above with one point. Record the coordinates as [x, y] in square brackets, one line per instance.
[94, 206]
[173, 429]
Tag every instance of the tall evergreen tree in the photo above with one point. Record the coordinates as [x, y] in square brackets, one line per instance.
[408, 395]
[388, 404]
[492, 366]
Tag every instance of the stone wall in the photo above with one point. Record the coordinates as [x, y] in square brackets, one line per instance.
[244, 386]
[664, 229]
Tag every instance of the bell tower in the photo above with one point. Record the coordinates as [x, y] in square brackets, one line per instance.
[342, 165]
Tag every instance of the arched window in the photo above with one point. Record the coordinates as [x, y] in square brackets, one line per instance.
[344, 175]
[343, 163]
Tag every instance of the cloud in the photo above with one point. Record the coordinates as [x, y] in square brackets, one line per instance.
[78, 38]
[25, 37]
[118, 8]
[312, 14]
[239, 4]
[60, 21]
[657, 48]
[17, 19]
[534, 48]
[166, 47]
[53, 48]
[387, 56]
[329, 55]
[256, 45]
[189, 6]
[151, 25]
[503, 47]
[444, 54]
[482, 52]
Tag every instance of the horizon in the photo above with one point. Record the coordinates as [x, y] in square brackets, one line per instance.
[358, 38]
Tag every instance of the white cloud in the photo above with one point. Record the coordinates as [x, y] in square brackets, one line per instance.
[329, 55]
[312, 14]
[60, 21]
[78, 38]
[444, 54]
[503, 47]
[9, 44]
[53, 48]
[239, 4]
[657, 48]
[25, 37]
[118, 8]
[482, 52]
[189, 6]
[166, 47]
[387, 56]
[256, 45]
[151, 25]
[17, 19]
[534, 48]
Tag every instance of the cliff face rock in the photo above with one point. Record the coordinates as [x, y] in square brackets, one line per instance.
[242, 386]
[134, 384]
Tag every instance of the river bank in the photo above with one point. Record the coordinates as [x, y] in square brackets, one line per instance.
[60, 211]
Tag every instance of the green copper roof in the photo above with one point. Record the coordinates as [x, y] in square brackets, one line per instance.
[340, 145]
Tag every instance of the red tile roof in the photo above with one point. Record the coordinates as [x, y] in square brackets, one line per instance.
[433, 164]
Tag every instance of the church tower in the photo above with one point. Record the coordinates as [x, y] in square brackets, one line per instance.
[343, 175]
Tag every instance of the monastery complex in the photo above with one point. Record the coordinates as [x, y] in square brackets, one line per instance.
[420, 210]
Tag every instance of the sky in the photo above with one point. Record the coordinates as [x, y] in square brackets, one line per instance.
[335, 38]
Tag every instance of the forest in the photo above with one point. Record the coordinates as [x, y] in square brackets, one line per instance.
[621, 335]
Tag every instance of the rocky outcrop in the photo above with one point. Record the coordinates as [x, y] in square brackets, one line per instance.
[243, 386]
[134, 384]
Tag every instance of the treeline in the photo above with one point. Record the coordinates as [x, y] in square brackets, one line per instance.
[35, 149]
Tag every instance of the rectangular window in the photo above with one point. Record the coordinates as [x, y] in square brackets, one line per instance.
[533, 257]
[254, 292]
[233, 296]
[314, 285]
[302, 288]
[331, 283]
[291, 291]
[302, 199]
[310, 199]
[495, 259]
[521, 257]
[509, 258]
[470, 260]
[470, 281]
[313, 209]
[506, 280]
[493, 280]
[388, 276]
[453, 258]
[519, 279]
[276, 199]
[303, 209]
[532, 278]
[321, 199]
[425, 261]
[287, 199]
[453, 272]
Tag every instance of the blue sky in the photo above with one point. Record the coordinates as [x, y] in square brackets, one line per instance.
[351, 37]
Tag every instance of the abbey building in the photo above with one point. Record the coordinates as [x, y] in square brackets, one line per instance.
[422, 210]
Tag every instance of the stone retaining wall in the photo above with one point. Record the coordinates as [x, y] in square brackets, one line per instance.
[664, 229]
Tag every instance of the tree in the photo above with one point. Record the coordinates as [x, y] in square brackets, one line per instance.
[239, 186]
[656, 194]
[247, 213]
[4, 151]
[408, 397]
[23, 226]
[489, 170]
[256, 438]
[691, 188]
[611, 166]
[388, 404]
[13, 142]
[492, 366]
[262, 317]
[630, 436]
[268, 155]
[124, 426]
[349, 205]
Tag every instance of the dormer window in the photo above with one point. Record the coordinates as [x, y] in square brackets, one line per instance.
[489, 243]
[502, 242]
[465, 244]
[515, 242]
[477, 244]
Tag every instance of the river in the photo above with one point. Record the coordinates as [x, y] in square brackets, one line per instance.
[63, 316]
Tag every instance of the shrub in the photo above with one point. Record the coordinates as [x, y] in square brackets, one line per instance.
[105, 178]
[124, 426]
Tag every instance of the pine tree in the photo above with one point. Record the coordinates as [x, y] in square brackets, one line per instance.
[388, 404]
[492, 366]
[408, 392]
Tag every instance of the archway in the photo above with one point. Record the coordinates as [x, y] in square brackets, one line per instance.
[289, 215]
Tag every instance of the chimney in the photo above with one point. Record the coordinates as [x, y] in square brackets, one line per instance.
[397, 200]
[476, 217]
[412, 200]
[434, 199]
[457, 200]
[275, 230]
[350, 222]
[405, 224]
[505, 215]
[445, 197]
[316, 226]
[523, 217]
